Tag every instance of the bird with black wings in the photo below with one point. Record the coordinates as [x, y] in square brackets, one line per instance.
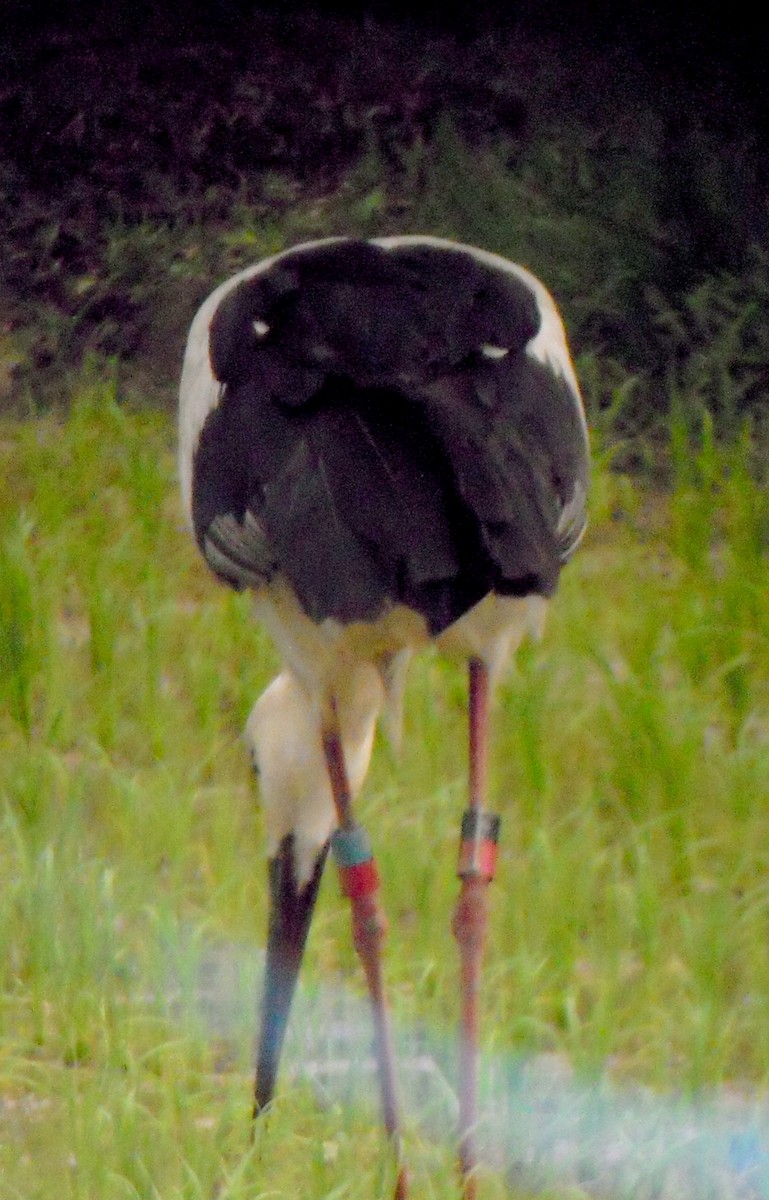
[384, 440]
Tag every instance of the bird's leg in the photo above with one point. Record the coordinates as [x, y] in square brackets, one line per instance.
[351, 848]
[477, 857]
[291, 911]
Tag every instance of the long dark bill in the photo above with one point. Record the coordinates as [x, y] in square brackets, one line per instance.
[290, 916]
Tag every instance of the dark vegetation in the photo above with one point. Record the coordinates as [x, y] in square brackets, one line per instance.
[138, 169]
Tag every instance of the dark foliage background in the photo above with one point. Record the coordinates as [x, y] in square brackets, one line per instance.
[623, 154]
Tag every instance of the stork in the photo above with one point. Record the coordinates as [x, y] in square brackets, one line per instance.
[384, 440]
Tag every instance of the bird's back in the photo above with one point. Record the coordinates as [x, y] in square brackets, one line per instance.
[385, 423]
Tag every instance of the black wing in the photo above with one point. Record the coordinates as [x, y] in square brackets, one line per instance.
[382, 435]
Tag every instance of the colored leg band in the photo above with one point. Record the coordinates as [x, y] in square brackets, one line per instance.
[353, 855]
[360, 880]
[478, 846]
[350, 846]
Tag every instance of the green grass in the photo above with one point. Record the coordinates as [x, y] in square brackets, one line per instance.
[631, 766]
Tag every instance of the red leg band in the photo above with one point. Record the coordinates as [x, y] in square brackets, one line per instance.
[478, 859]
[361, 879]
[478, 847]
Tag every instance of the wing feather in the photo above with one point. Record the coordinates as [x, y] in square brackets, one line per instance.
[396, 424]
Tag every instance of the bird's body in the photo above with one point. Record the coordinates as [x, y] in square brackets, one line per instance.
[385, 441]
[377, 496]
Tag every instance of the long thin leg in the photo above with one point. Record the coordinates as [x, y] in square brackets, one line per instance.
[360, 882]
[480, 830]
[291, 912]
